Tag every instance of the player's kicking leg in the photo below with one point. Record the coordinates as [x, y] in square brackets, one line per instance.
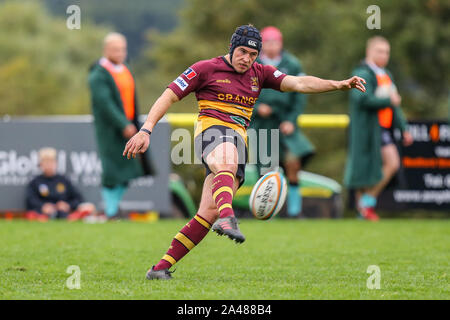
[223, 162]
[217, 195]
[189, 236]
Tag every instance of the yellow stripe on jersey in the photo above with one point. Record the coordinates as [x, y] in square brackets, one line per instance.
[245, 112]
[202, 221]
[222, 189]
[185, 241]
[169, 259]
[225, 205]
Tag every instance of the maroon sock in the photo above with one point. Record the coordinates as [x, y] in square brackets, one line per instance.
[222, 190]
[185, 240]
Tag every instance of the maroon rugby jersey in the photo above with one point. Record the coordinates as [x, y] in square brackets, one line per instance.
[225, 97]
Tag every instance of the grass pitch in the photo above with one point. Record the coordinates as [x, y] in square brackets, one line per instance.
[281, 259]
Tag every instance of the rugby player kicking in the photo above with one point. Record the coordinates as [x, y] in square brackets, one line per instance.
[226, 88]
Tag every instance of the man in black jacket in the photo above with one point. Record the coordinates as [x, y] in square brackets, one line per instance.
[50, 195]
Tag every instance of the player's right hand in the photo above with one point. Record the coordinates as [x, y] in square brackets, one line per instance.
[137, 144]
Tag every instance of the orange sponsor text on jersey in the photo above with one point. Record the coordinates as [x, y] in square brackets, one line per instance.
[236, 98]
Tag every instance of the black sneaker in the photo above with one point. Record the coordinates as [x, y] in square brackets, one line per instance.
[163, 274]
[228, 226]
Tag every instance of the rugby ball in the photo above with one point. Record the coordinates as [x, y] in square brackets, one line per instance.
[268, 195]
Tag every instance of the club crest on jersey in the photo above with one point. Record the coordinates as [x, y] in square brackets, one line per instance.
[254, 85]
[190, 73]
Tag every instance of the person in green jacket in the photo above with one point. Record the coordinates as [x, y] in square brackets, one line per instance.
[114, 107]
[373, 158]
[277, 110]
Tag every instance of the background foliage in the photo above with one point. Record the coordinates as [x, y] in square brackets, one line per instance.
[329, 38]
[44, 65]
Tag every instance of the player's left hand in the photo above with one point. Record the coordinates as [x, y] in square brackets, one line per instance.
[137, 144]
[354, 82]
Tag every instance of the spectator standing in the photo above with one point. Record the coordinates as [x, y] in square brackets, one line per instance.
[373, 158]
[114, 106]
[278, 110]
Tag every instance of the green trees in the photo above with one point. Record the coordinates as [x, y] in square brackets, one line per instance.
[44, 65]
[132, 18]
[329, 37]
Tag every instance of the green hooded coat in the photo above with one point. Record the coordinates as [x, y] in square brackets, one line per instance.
[110, 121]
[286, 106]
[364, 163]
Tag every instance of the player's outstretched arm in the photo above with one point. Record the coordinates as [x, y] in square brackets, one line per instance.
[140, 141]
[310, 84]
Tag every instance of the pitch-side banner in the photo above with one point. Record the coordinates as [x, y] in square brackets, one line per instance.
[74, 139]
[424, 179]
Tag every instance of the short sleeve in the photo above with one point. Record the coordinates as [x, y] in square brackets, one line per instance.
[189, 81]
[272, 77]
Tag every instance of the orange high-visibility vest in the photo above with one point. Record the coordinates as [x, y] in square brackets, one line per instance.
[385, 115]
[125, 84]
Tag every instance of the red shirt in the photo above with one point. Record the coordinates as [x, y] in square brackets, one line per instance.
[224, 94]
